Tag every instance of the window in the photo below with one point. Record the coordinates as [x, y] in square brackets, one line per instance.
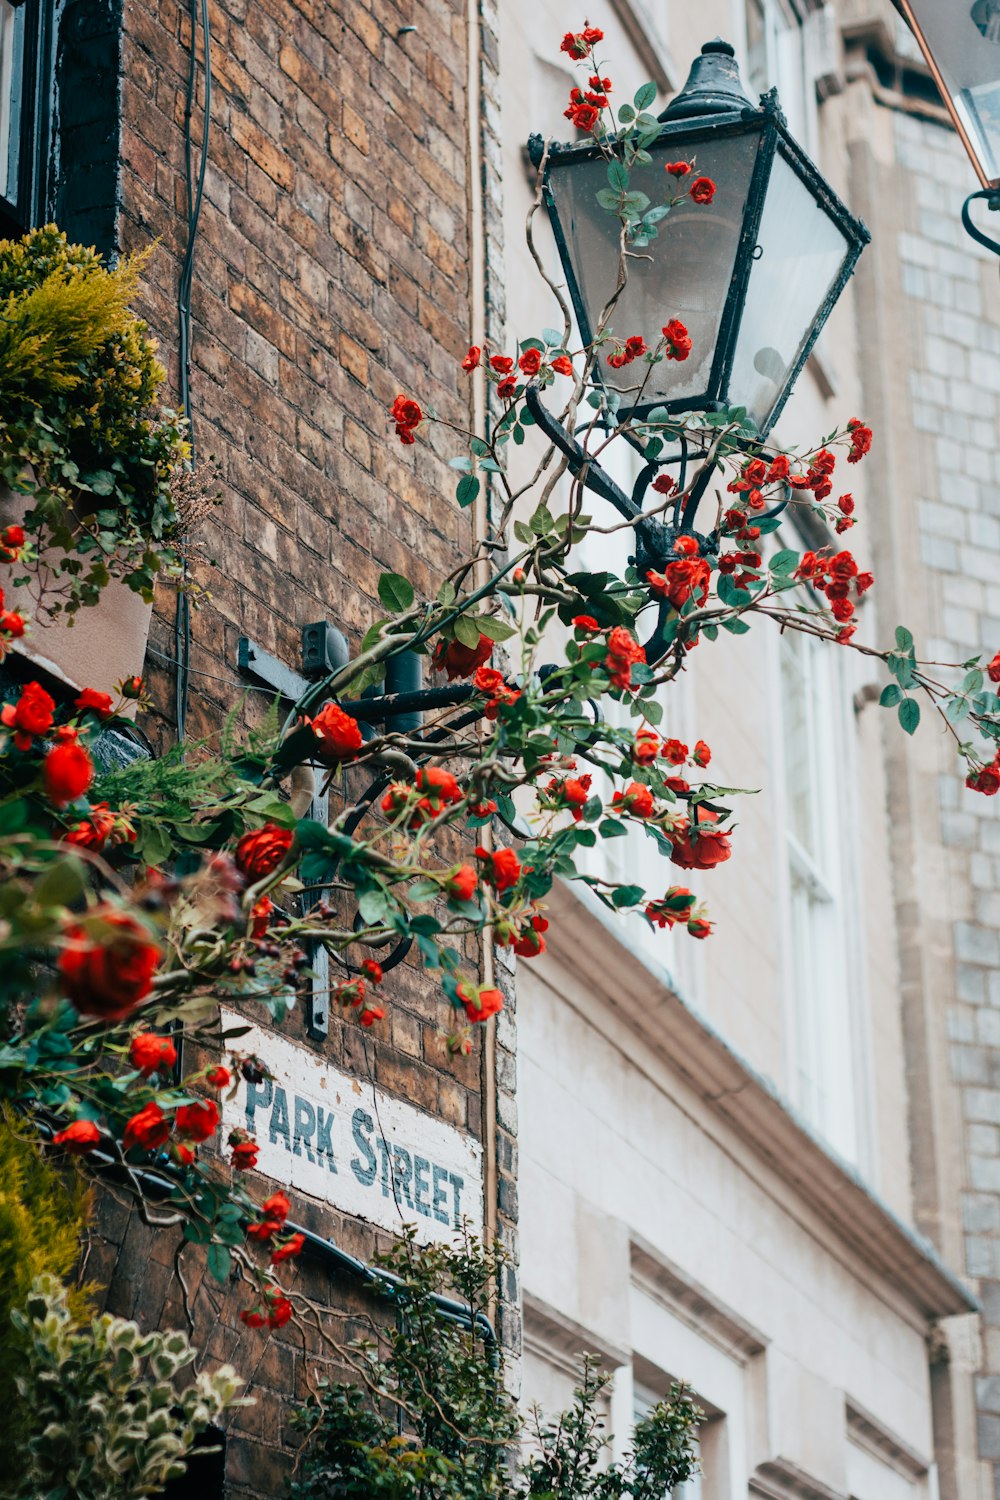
[820, 1015]
[25, 67]
[776, 59]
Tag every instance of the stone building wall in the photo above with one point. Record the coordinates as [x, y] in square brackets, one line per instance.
[334, 268]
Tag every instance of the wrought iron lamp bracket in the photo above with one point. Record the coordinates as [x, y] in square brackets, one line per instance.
[991, 197]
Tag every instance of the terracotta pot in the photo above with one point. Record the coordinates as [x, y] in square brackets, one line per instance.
[103, 644]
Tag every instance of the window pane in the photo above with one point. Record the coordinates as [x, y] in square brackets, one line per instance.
[789, 282]
[11, 81]
[965, 42]
[758, 75]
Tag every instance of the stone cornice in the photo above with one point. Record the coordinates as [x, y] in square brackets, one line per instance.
[588, 946]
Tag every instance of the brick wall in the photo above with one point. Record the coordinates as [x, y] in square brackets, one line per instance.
[333, 270]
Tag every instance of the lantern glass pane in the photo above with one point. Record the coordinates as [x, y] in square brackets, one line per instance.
[684, 273]
[963, 37]
[799, 256]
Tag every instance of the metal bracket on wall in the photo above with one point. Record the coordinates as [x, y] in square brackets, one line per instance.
[324, 650]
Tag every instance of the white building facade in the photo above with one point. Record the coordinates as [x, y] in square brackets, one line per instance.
[743, 1162]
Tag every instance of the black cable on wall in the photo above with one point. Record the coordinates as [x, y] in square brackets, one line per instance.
[195, 194]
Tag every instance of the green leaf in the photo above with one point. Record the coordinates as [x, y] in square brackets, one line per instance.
[785, 561]
[618, 175]
[219, 1262]
[542, 522]
[656, 214]
[972, 682]
[60, 884]
[628, 895]
[495, 630]
[552, 338]
[13, 817]
[644, 96]
[890, 696]
[626, 114]
[909, 714]
[374, 906]
[395, 592]
[956, 709]
[904, 639]
[467, 490]
[523, 532]
[610, 828]
[463, 462]
[467, 631]
[735, 626]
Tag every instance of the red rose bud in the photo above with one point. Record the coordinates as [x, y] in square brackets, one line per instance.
[147, 1129]
[259, 854]
[369, 1014]
[462, 883]
[132, 687]
[701, 754]
[196, 1122]
[107, 974]
[678, 168]
[276, 1207]
[91, 701]
[702, 190]
[219, 1077]
[471, 360]
[151, 1053]
[699, 927]
[264, 1231]
[79, 1138]
[985, 780]
[676, 906]
[373, 969]
[586, 623]
[646, 747]
[260, 916]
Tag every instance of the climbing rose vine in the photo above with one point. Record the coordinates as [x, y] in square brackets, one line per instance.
[137, 901]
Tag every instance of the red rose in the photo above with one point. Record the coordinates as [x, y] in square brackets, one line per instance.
[339, 734]
[471, 360]
[502, 363]
[11, 623]
[502, 868]
[863, 582]
[488, 680]
[149, 1128]
[993, 670]
[530, 362]
[700, 848]
[274, 1312]
[678, 340]
[675, 906]
[687, 578]
[678, 168]
[369, 1014]
[373, 970]
[507, 389]
[108, 974]
[592, 34]
[702, 190]
[664, 484]
[842, 610]
[244, 1151]
[483, 809]
[462, 883]
[780, 469]
[67, 772]
[439, 788]
[151, 1053]
[95, 830]
[636, 799]
[701, 755]
[292, 1246]
[79, 1138]
[264, 1231]
[406, 412]
[623, 651]
[584, 116]
[12, 536]
[562, 364]
[985, 780]
[586, 623]
[646, 747]
[479, 1004]
[861, 440]
[276, 1207]
[461, 661]
[30, 715]
[219, 1077]
[91, 701]
[196, 1122]
[260, 853]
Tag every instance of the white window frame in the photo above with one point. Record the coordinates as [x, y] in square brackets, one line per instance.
[785, 64]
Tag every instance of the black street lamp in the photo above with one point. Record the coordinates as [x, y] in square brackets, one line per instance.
[960, 40]
[753, 274]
